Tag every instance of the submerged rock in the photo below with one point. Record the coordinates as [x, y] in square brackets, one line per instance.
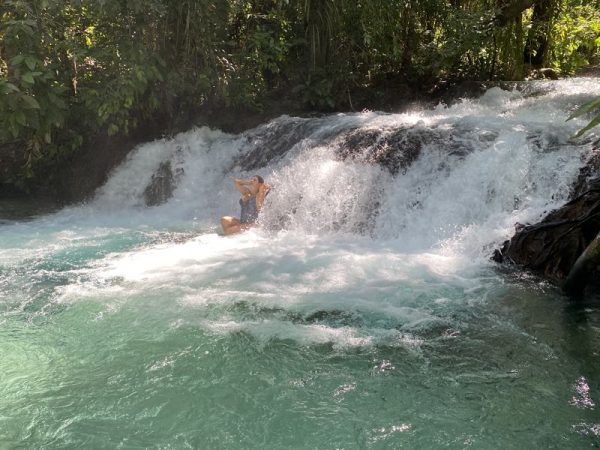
[565, 246]
[396, 149]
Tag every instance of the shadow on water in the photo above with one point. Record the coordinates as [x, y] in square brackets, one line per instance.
[581, 322]
[22, 209]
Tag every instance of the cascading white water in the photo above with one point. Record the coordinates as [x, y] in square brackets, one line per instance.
[363, 313]
[333, 222]
[483, 165]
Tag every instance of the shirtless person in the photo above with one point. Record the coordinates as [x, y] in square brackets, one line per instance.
[253, 196]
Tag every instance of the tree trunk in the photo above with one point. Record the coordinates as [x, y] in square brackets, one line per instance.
[518, 70]
[538, 39]
[319, 22]
[512, 10]
[410, 41]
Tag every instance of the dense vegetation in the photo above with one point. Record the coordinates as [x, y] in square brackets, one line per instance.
[71, 69]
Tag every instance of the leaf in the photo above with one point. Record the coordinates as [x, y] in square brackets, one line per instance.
[9, 87]
[20, 118]
[14, 129]
[17, 60]
[585, 108]
[56, 100]
[27, 29]
[113, 129]
[31, 102]
[589, 126]
[30, 62]
[28, 78]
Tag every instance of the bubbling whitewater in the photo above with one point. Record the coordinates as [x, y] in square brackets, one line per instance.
[363, 313]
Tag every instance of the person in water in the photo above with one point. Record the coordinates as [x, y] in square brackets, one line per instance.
[253, 196]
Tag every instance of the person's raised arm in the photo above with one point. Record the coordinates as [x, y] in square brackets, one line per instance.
[240, 185]
[262, 193]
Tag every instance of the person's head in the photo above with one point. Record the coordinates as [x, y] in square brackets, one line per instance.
[255, 183]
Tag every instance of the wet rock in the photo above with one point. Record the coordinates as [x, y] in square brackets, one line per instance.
[162, 185]
[272, 141]
[564, 246]
[395, 150]
[450, 93]
[585, 269]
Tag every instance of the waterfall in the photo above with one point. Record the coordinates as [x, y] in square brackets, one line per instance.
[364, 312]
[460, 174]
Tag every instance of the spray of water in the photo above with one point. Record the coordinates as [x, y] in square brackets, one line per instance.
[361, 204]
[363, 312]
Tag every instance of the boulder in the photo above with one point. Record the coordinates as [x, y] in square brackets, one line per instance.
[585, 269]
[565, 246]
[161, 186]
[394, 150]
[271, 142]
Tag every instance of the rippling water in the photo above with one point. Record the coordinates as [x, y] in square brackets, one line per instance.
[123, 326]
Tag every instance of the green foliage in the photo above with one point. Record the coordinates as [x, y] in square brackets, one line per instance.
[262, 41]
[76, 68]
[576, 37]
[317, 92]
[33, 106]
[589, 107]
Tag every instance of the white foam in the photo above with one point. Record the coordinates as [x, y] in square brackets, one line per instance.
[341, 337]
[427, 232]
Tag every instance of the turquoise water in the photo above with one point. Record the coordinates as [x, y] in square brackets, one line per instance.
[487, 361]
[364, 313]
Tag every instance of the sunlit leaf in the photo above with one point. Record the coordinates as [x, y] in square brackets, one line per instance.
[589, 126]
[585, 108]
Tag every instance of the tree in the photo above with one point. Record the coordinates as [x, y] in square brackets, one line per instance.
[72, 69]
[538, 39]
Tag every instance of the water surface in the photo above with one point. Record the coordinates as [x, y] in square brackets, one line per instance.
[368, 315]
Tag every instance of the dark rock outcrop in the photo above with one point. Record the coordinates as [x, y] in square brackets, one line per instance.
[271, 142]
[162, 185]
[564, 246]
[395, 151]
[585, 270]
